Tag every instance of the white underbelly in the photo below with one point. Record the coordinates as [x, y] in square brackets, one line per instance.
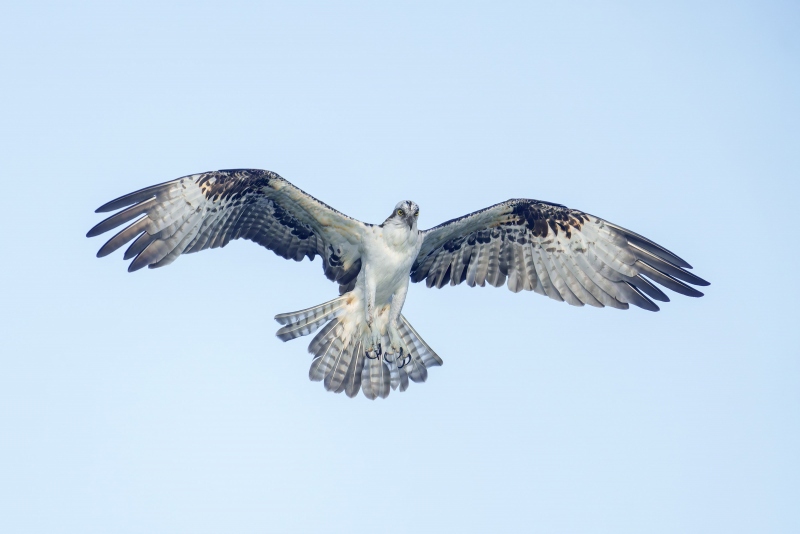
[387, 268]
[389, 282]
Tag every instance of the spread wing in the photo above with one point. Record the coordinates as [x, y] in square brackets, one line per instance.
[210, 209]
[563, 253]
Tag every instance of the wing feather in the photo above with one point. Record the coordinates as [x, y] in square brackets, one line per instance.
[552, 250]
[667, 281]
[572, 282]
[497, 269]
[517, 277]
[544, 275]
[666, 267]
[123, 237]
[209, 210]
[606, 286]
[559, 281]
[482, 264]
[121, 218]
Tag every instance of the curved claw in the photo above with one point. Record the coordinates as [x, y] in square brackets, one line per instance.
[374, 353]
[405, 362]
[393, 356]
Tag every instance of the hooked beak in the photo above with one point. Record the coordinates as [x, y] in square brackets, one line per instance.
[410, 221]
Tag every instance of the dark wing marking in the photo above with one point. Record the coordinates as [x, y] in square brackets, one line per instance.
[563, 253]
[210, 209]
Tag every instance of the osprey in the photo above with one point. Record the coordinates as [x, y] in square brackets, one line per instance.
[366, 343]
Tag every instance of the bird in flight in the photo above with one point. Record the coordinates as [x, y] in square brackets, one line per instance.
[363, 341]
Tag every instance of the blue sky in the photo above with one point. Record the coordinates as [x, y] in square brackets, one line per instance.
[162, 401]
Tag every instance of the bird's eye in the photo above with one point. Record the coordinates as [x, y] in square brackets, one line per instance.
[416, 214]
[401, 213]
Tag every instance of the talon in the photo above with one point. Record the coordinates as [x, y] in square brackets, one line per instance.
[389, 356]
[372, 352]
[397, 355]
[406, 361]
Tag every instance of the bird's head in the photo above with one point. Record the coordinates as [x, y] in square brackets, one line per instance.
[405, 213]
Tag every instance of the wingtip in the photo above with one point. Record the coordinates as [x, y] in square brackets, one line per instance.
[110, 206]
[133, 267]
[94, 232]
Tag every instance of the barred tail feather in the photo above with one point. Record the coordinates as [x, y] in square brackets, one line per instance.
[334, 380]
[375, 378]
[339, 348]
[352, 380]
[418, 345]
[304, 322]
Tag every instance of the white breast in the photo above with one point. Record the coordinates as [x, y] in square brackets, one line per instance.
[388, 253]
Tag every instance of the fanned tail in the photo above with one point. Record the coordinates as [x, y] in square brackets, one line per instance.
[339, 349]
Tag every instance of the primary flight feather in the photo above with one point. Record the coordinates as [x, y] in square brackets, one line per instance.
[364, 343]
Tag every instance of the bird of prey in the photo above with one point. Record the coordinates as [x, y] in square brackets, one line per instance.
[364, 341]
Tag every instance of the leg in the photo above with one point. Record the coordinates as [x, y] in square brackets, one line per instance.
[397, 345]
[373, 349]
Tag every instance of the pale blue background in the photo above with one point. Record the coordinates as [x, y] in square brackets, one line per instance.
[162, 402]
